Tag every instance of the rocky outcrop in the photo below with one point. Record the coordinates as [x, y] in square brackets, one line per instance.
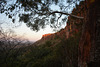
[89, 46]
[73, 25]
[46, 36]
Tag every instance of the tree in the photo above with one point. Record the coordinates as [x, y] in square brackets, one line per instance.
[43, 12]
[10, 47]
[38, 13]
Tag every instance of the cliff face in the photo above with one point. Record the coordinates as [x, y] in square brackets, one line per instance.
[46, 36]
[89, 44]
[73, 25]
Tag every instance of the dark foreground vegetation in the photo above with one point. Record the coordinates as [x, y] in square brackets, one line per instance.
[57, 52]
[50, 54]
[76, 51]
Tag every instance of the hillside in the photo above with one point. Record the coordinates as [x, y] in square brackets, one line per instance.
[62, 45]
[77, 45]
[73, 26]
[83, 33]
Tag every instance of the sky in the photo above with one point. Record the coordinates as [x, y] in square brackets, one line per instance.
[23, 30]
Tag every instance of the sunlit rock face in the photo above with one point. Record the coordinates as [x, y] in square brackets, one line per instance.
[89, 44]
[73, 25]
[45, 35]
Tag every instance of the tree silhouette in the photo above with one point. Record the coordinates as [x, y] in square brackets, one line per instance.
[10, 47]
[38, 13]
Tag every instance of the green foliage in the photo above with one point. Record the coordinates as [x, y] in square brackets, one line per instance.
[56, 37]
[64, 53]
[48, 43]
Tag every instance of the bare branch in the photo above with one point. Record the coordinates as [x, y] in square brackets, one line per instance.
[67, 14]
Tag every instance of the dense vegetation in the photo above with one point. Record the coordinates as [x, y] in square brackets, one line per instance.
[56, 52]
[63, 54]
[53, 53]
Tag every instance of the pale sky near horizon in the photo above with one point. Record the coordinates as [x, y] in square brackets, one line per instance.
[24, 31]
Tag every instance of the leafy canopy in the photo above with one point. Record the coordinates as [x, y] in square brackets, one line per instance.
[38, 13]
